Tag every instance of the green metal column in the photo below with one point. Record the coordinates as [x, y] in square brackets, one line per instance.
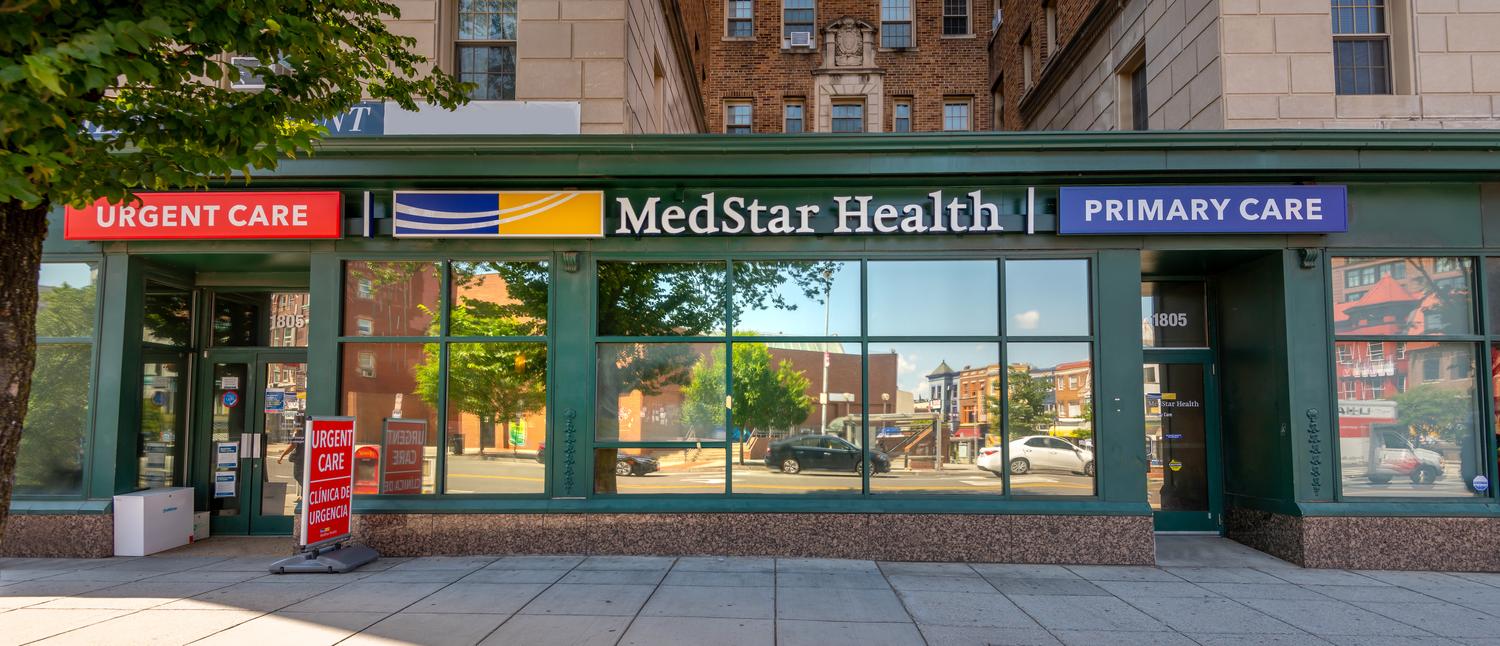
[1119, 409]
[1310, 397]
[117, 414]
[324, 296]
[569, 449]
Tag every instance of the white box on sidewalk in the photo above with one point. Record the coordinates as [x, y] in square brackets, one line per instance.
[150, 521]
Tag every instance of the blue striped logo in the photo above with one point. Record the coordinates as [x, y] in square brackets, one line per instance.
[447, 214]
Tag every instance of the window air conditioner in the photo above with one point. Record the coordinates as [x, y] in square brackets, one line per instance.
[801, 39]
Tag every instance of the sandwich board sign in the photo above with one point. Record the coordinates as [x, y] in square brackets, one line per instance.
[327, 501]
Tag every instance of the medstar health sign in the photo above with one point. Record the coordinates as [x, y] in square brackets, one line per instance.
[1202, 209]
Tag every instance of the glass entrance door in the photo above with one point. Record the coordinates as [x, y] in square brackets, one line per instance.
[249, 440]
[1182, 478]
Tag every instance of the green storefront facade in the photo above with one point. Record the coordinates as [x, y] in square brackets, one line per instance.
[1015, 396]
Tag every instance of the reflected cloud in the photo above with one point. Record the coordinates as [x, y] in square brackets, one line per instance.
[1028, 320]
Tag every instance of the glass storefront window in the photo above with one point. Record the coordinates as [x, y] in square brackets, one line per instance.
[1173, 314]
[67, 299]
[1050, 419]
[390, 298]
[660, 392]
[57, 420]
[945, 414]
[1409, 421]
[496, 299]
[382, 382]
[163, 423]
[933, 298]
[797, 425]
[1047, 298]
[796, 298]
[261, 319]
[167, 316]
[661, 299]
[497, 416]
[1403, 296]
[680, 470]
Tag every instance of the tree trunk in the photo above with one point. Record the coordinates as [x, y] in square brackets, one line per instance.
[21, 233]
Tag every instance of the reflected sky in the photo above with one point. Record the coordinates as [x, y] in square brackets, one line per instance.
[932, 298]
[914, 361]
[1047, 297]
[74, 274]
[1046, 355]
[787, 308]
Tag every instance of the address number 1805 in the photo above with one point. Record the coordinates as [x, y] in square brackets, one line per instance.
[1168, 319]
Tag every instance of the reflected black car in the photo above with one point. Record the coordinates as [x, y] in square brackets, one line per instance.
[635, 465]
[821, 453]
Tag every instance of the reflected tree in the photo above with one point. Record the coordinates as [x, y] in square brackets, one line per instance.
[1027, 403]
[1436, 411]
[57, 413]
[765, 397]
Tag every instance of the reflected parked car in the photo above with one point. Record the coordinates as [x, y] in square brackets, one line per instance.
[1399, 457]
[625, 465]
[1038, 453]
[823, 453]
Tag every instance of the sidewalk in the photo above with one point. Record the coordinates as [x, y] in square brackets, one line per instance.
[534, 600]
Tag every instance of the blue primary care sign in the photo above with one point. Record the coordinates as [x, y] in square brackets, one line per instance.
[1204, 210]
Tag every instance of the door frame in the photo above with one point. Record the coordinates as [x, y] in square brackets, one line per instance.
[1194, 521]
[250, 521]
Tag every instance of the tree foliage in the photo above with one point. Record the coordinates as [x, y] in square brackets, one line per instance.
[53, 437]
[1436, 410]
[766, 397]
[1028, 402]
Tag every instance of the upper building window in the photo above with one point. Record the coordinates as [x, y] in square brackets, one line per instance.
[895, 24]
[797, 22]
[487, 48]
[901, 120]
[1027, 75]
[955, 115]
[956, 17]
[848, 117]
[1049, 9]
[792, 117]
[737, 118]
[997, 98]
[1361, 47]
[741, 16]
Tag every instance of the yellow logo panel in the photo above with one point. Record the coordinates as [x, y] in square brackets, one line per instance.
[551, 214]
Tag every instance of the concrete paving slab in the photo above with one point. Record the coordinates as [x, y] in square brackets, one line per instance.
[1263, 591]
[694, 631]
[974, 584]
[724, 564]
[300, 628]
[321, 577]
[1133, 589]
[543, 630]
[987, 636]
[526, 562]
[833, 633]
[1377, 640]
[689, 601]
[1046, 586]
[825, 565]
[427, 629]
[165, 563]
[839, 604]
[720, 579]
[27, 625]
[926, 569]
[855, 580]
[367, 597]
[959, 609]
[9, 576]
[135, 595]
[1488, 578]
[1444, 619]
[1372, 593]
[418, 576]
[1331, 617]
[30, 593]
[1421, 580]
[194, 576]
[627, 563]
[263, 597]
[616, 577]
[479, 598]
[1121, 573]
[1324, 577]
[1212, 551]
[1009, 571]
[1119, 638]
[513, 576]
[597, 600]
[241, 564]
[1302, 639]
[115, 575]
[1085, 613]
[152, 627]
[1217, 615]
[446, 563]
[1222, 575]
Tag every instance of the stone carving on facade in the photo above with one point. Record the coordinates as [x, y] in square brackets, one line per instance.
[848, 75]
[848, 43]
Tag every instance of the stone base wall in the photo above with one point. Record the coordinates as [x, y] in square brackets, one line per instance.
[1122, 540]
[59, 535]
[1372, 543]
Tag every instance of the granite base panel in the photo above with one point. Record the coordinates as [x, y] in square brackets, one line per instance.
[1454, 544]
[59, 536]
[1115, 540]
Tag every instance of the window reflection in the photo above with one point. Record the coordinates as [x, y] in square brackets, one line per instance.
[942, 418]
[796, 298]
[684, 470]
[660, 392]
[1408, 418]
[661, 299]
[498, 299]
[167, 314]
[390, 298]
[933, 298]
[1403, 296]
[797, 415]
[1173, 314]
[1047, 297]
[163, 403]
[497, 416]
[1050, 419]
[51, 453]
[66, 299]
[381, 382]
[274, 319]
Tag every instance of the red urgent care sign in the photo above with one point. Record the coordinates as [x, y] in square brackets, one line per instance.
[328, 475]
[210, 216]
[401, 455]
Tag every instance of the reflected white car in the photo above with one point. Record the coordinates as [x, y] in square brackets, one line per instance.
[1038, 453]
